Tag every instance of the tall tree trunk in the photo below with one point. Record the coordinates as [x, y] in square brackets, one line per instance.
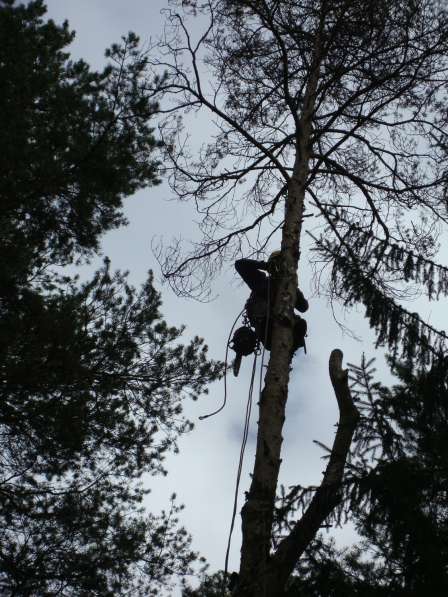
[257, 513]
[328, 495]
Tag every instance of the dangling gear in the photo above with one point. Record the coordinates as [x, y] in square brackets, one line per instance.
[244, 343]
[300, 331]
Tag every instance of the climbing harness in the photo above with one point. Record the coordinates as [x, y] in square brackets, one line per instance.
[246, 339]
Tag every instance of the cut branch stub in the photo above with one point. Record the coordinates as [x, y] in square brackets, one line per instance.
[339, 379]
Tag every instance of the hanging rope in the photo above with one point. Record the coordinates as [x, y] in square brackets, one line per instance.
[246, 432]
[266, 330]
[225, 370]
[240, 465]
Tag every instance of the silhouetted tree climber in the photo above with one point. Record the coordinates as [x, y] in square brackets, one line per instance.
[260, 303]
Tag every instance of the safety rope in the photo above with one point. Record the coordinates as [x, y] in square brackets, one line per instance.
[240, 465]
[245, 435]
[225, 370]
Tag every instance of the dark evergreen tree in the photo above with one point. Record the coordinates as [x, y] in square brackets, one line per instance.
[401, 501]
[212, 585]
[91, 399]
[74, 142]
[92, 378]
[395, 492]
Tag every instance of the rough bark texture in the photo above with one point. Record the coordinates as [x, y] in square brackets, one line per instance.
[327, 496]
[279, 566]
[257, 513]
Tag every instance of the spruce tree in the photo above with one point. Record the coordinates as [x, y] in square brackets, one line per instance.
[394, 493]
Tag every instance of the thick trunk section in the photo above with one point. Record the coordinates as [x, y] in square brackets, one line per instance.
[257, 513]
[328, 494]
[280, 565]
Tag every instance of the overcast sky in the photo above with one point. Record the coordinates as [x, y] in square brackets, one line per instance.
[203, 474]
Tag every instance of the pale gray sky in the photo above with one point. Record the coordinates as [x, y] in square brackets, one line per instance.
[203, 474]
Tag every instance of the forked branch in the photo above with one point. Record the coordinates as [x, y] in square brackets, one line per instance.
[328, 494]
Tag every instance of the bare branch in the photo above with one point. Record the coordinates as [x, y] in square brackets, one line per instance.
[328, 494]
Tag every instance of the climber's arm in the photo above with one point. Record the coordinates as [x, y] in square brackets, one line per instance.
[251, 272]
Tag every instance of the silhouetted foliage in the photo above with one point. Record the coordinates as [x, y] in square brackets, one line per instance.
[74, 141]
[211, 586]
[92, 378]
[395, 492]
[377, 146]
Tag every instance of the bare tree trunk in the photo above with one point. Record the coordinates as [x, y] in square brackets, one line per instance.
[257, 513]
[328, 495]
[281, 564]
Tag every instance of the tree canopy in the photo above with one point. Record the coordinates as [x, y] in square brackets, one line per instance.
[92, 386]
[372, 127]
[92, 378]
[75, 141]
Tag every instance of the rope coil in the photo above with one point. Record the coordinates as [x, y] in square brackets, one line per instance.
[226, 366]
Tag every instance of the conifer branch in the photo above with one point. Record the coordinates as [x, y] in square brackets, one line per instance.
[416, 268]
[392, 322]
